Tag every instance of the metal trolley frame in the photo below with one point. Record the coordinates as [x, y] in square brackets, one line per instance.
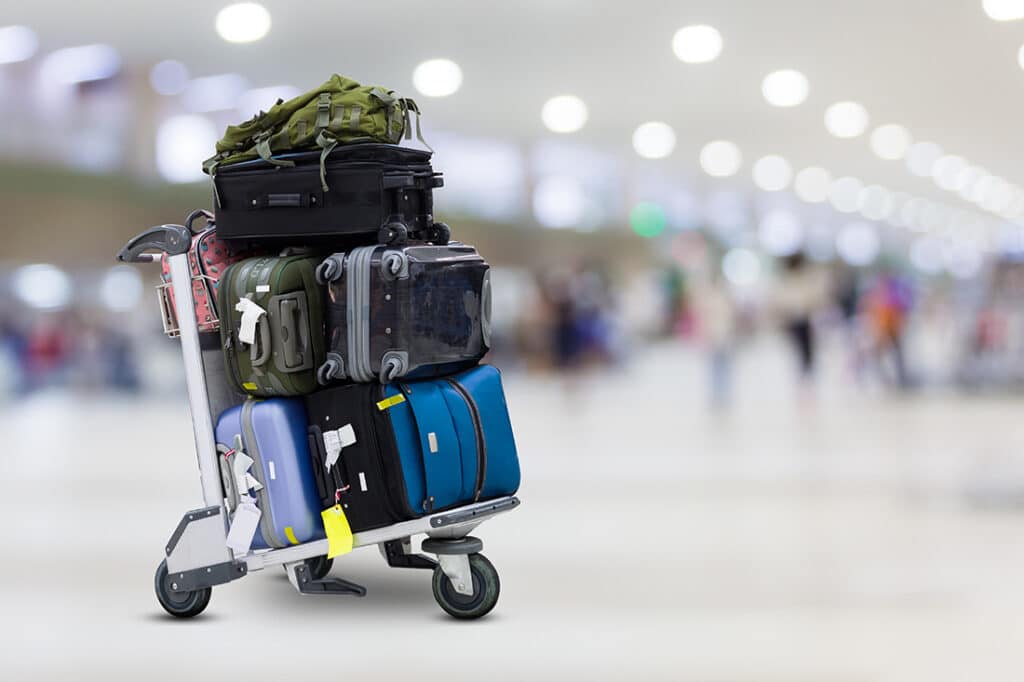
[465, 583]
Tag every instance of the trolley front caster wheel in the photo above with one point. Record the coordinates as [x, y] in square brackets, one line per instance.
[319, 567]
[439, 234]
[180, 604]
[393, 234]
[486, 588]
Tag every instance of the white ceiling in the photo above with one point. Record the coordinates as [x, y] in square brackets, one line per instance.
[940, 67]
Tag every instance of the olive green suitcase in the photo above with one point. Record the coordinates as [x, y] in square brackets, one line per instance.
[272, 325]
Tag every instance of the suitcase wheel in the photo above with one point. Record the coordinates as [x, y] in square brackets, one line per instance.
[393, 233]
[486, 588]
[179, 604]
[439, 234]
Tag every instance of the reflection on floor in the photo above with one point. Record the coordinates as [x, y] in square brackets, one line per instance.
[784, 540]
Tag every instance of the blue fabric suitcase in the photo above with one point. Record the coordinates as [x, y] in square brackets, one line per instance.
[273, 434]
[419, 447]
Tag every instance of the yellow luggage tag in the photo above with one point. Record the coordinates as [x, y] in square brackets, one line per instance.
[390, 402]
[339, 535]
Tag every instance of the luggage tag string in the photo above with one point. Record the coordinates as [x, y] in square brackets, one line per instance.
[338, 492]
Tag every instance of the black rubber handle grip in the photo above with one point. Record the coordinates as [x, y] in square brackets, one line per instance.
[171, 239]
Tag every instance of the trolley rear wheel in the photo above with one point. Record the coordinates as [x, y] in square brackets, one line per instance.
[184, 604]
[486, 588]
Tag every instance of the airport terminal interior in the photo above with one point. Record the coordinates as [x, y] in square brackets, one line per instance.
[757, 274]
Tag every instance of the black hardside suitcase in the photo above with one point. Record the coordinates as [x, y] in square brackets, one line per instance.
[367, 477]
[375, 192]
[410, 311]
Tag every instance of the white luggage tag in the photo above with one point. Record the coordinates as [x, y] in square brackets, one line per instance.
[336, 441]
[243, 479]
[243, 526]
[251, 314]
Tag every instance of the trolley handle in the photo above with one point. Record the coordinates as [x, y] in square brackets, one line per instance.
[170, 239]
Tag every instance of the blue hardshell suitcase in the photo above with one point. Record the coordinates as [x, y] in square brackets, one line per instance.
[273, 434]
[420, 446]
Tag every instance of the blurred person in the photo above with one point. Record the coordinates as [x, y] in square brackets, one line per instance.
[887, 304]
[800, 292]
[13, 344]
[716, 327]
[47, 349]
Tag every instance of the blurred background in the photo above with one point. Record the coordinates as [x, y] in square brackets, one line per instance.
[758, 272]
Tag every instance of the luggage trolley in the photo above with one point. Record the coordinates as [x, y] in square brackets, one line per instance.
[465, 583]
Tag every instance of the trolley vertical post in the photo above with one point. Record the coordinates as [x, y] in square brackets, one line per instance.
[195, 380]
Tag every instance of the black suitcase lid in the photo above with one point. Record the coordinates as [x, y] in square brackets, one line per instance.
[360, 152]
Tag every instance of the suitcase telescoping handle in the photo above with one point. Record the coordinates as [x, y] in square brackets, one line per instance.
[170, 239]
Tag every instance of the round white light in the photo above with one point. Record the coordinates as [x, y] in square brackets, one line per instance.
[564, 114]
[858, 244]
[998, 195]
[780, 233]
[922, 157]
[169, 77]
[926, 254]
[844, 194]
[785, 88]
[1003, 10]
[17, 43]
[968, 179]
[182, 144]
[720, 158]
[697, 44]
[946, 172]
[772, 173]
[741, 267]
[846, 119]
[654, 140]
[875, 202]
[437, 77]
[244, 22]
[890, 141]
[559, 202]
[812, 184]
[121, 288]
[42, 286]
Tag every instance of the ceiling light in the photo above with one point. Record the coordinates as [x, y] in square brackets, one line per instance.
[42, 286]
[998, 195]
[720, 158]
[564, 114]
[80, 64]
[121, 288]
[772, 173]
[922, 157]
[244, 22]
[780, 233]
[437, 77]
[182, 144]
[858, 244]
[846, 119]
[812, 184]
[1003, 10]
[169, 77]
[741, 267]
[875, 202]
[785, 88]
[17, 43]
[559, 202]
[654, 140]
[697, 44]
[947, 172]
[647, 219]
[890, 141]
[253, 101]
[844, 194]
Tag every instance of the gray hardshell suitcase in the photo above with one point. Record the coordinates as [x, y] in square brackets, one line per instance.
[412, 311]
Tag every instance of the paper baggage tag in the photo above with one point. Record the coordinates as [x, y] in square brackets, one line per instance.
[244, 481]
[339, 535]
[335, 441]
[251, 314]
[243, 526]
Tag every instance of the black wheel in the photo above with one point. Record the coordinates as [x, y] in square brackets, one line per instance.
[393, 233]
[319, 567]
[179, 604]
[439, 234]
[486, 588]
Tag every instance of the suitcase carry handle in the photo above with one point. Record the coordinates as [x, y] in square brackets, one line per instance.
[293, 323]
[259, 352]
[173, 240]
[196, 214]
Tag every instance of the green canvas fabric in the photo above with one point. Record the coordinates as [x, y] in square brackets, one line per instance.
[339, 111]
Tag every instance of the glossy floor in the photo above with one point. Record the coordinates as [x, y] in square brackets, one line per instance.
[852, 537]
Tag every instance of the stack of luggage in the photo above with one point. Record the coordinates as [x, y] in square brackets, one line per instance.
[342, 328]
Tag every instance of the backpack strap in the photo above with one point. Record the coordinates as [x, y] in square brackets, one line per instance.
[263, 149]
[410, 105]
[323, 112]
[327, 143]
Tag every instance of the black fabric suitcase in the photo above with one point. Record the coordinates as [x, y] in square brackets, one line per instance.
[374, 191]
[404, 312]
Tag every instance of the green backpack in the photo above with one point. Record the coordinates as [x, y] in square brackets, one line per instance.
[341, 110]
